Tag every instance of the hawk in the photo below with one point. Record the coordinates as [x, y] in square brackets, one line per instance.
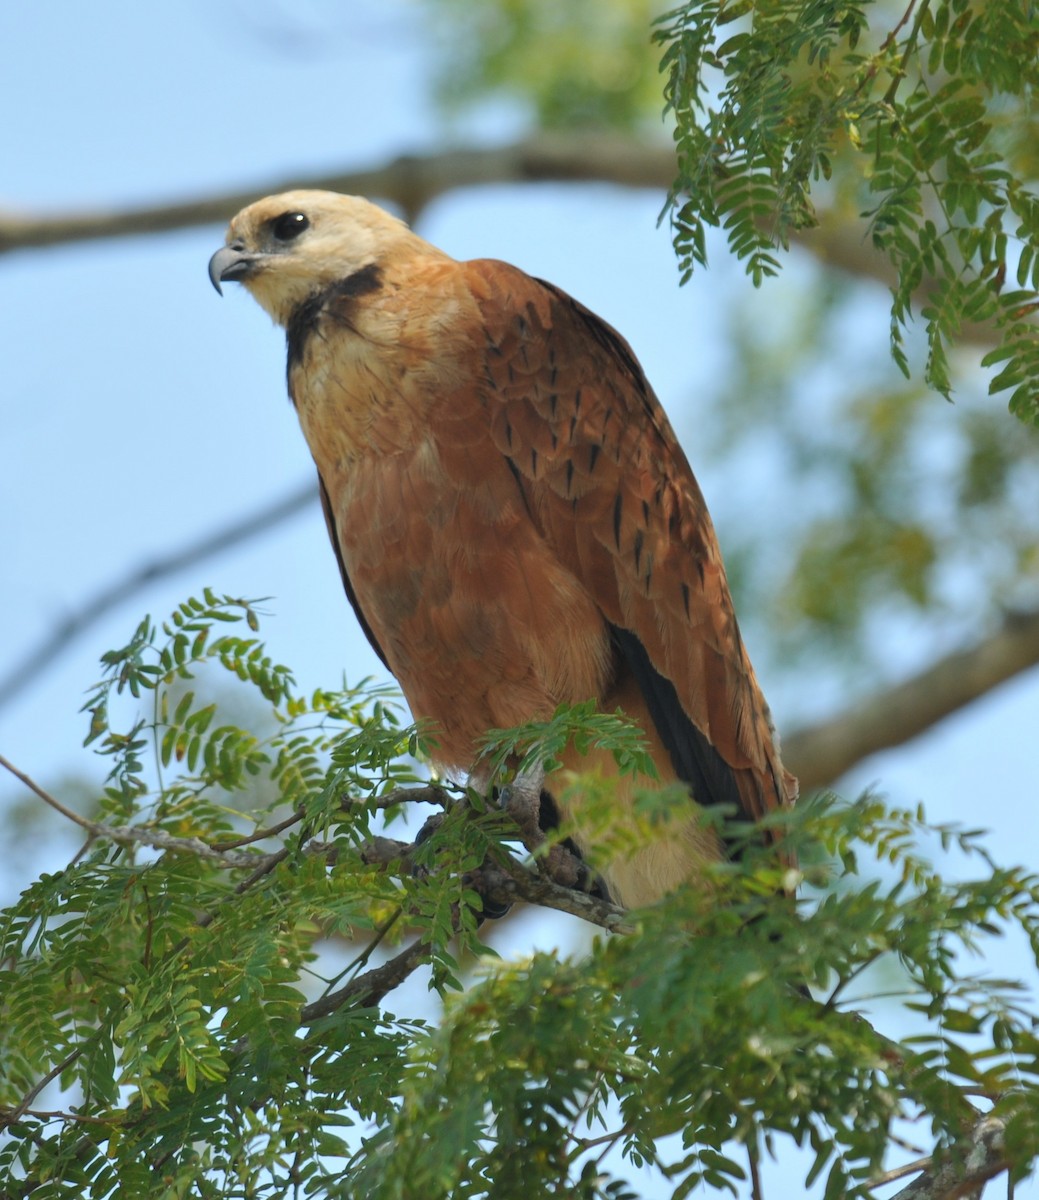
[515, 522]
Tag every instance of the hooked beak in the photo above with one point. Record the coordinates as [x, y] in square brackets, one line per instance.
[231, 262]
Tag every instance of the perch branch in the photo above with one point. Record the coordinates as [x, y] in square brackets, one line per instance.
[821, 754]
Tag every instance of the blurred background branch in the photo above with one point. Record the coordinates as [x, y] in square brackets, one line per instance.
[412, 181]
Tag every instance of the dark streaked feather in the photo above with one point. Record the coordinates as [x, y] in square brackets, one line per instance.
[304, 320]
[694, 759]
[330, 522]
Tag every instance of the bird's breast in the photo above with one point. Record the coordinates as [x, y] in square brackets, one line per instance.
[480, 623]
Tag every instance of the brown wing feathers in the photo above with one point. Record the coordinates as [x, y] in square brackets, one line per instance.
[330, 525]
[613, 495]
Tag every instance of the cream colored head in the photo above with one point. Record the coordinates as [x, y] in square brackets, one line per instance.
[287, 248]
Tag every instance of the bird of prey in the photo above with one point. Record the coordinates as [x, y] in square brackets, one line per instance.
[515, 522]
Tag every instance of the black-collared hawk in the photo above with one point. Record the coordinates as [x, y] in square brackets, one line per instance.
[516, 524]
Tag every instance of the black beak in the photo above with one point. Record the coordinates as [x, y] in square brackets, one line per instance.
[230, 263]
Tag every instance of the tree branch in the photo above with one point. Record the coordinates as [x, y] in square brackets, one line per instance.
[496, 884]
[821, 754]
[138, 835]
[981, 1155]
[411, 181]
[902, 1172]
[509, 882]
[368, 989]
[501, 883]
[111, 596]
[984, 1160]
[438, 795]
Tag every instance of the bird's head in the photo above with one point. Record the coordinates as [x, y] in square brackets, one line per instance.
[288, 247]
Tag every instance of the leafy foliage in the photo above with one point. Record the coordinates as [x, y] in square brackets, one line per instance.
[576, 65]
[924, 125]
[170, 1024]
[900, 518]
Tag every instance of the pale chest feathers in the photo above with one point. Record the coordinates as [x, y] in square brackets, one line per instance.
[368, 376]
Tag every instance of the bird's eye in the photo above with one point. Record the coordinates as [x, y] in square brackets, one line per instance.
[289, 225]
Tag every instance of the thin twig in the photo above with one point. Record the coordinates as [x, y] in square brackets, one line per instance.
[264, 867]
[51, 646]
[852, 975]
[362, 959]
[368, 989]
[910, 45]
[9, 1115]
[137, 835]
[259, 836]
[897, 1173]
[47, 798]
[889, 41]
[905, 1144]
[17, 1113]
[755, 1175]
[604, 1139]
[581, 1112]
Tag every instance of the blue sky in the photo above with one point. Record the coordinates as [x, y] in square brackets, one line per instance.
[138, 411]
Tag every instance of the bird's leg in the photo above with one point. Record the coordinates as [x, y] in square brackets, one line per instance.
[492, 909]
[521, 799]
[526, 802]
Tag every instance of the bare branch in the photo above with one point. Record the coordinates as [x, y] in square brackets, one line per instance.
[47, 798]
[426, 793]
[819, 755]
[136, 835]
[369, 989]
[984, 1160]
[510, 882]
[411, 181]
[54, 643]
[376, 852]
[903, 1172]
